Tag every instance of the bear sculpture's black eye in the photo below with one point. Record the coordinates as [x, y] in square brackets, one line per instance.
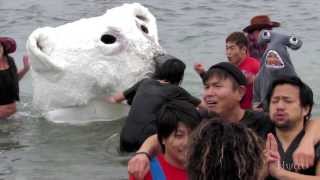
[108, 39]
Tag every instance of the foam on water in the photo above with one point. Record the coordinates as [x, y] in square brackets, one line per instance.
[96, 110]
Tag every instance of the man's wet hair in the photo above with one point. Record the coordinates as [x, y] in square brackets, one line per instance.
[239, 38]
[305, 92]
[171, 70]
[224, 151]
[172, 113]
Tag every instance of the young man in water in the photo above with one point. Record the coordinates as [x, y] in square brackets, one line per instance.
[175, 122]
[237, 54]
[289, 112]
[224, 87]
[145, 98]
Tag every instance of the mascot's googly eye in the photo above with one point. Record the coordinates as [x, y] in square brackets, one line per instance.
[293, 40]
[266, 35]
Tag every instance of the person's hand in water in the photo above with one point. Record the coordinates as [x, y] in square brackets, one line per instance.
[116, 98]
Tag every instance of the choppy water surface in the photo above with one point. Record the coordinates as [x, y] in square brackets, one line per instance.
[32, 148]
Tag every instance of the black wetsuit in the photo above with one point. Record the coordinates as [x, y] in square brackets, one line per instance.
[146, 98]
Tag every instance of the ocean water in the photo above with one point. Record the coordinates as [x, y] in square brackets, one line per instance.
[32, 148]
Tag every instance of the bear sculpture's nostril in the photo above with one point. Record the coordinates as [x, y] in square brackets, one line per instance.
[144, 29]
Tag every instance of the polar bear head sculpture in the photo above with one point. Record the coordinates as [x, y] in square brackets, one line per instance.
[94, 57]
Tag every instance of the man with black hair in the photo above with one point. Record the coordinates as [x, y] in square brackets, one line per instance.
[224, 88]
[290, 104]
[146, 97]
[175, 121]
[237, 54]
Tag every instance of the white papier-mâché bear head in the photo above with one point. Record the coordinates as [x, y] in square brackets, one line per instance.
[90, 58]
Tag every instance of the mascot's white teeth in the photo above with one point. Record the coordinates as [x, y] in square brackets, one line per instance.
[273, 60]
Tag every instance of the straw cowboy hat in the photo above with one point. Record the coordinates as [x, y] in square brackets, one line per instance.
[8, 44]
[261, 22]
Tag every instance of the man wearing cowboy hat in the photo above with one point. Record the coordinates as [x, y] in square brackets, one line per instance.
[9, 77]
[257, 24]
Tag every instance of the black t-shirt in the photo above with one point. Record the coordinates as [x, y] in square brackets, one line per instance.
[286, 160]
[146, 98]
[259, 122]
[9, 85]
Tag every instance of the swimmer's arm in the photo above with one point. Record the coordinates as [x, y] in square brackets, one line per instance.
[116, 98]
[139, 164]
[151, 145]
[304, 155]
[287, 175]
[7, 110]
[312, 130]
[199, 68]
[26, 67]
